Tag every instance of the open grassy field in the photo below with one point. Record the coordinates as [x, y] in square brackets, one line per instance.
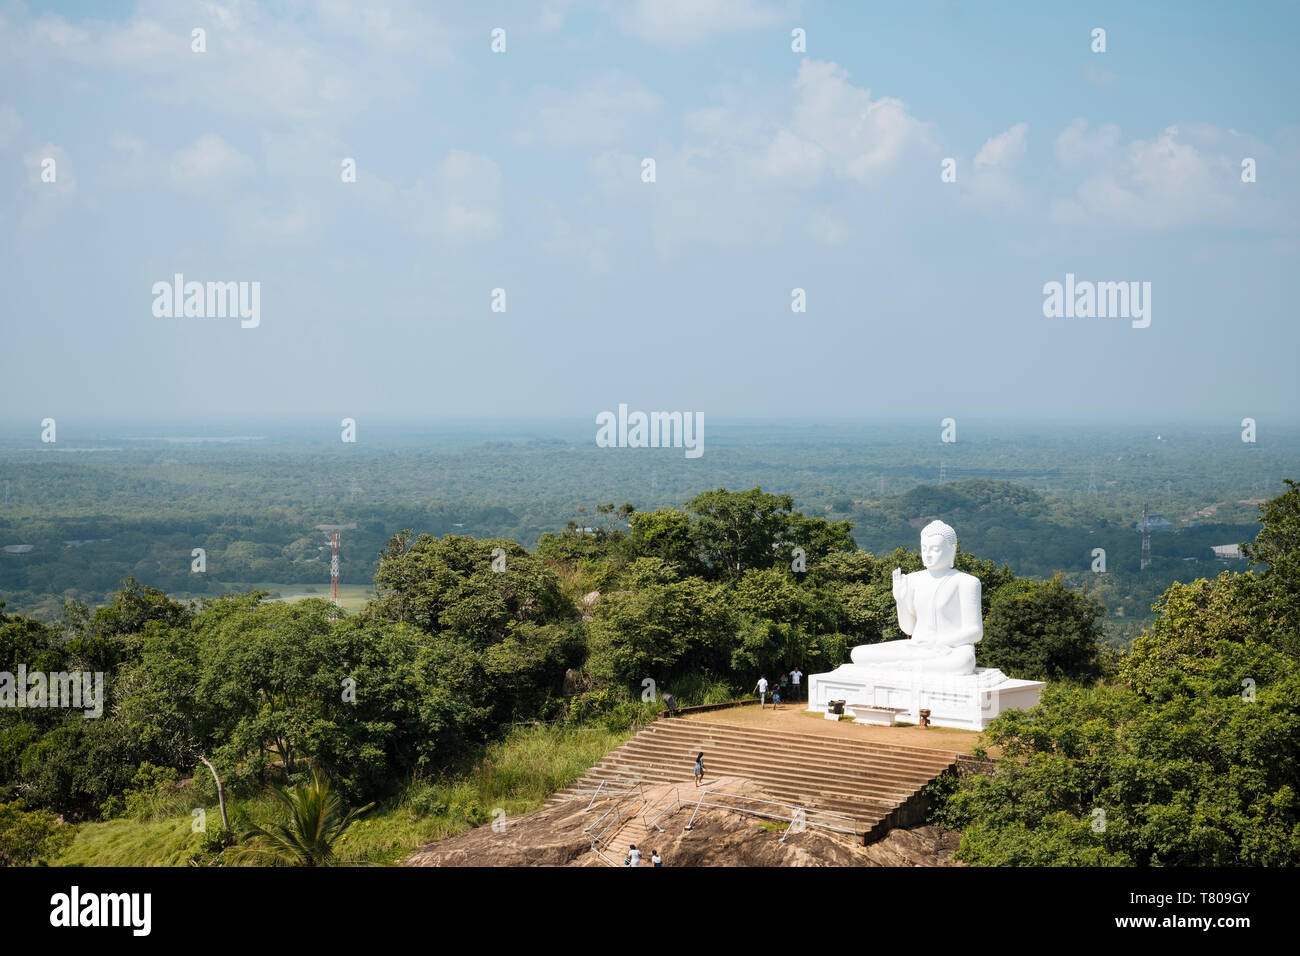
[352, 597]
[516, 775]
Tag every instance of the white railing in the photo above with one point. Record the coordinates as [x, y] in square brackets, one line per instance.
[744, 805]
[633, 784]
[611, 820]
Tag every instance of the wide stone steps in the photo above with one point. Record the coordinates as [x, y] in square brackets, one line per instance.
[878, 769]
[744, 766]
[809, 745]
[617, 845]
[875, 784]
[865, 775]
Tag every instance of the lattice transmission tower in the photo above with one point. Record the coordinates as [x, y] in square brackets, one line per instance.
[332, 536]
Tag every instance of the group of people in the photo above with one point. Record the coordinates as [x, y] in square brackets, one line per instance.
[633, 857]
[788, 687]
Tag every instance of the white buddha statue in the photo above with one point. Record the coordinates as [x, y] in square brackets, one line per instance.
[938, 607]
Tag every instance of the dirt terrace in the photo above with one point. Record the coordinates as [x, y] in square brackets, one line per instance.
[792, 717]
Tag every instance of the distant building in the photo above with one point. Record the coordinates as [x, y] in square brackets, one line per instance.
[1227, 552]
[1156, 523]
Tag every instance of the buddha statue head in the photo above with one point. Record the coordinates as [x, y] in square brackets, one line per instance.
[938, 546]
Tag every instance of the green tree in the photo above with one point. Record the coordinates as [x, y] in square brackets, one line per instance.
[1276, 592]
[669, 534]
[662, 627]
[316, 819]
[479, 589]
[1042, 631]
[737, 530]
[30, 837]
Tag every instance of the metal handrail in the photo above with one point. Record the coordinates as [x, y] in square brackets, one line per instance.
[602, 856]
[598, 838]
[591, 826]
[793, 806]
[601, 827]
[655, 822]
[604, 780]
[617, 808]
[850, 828]
[697, 809]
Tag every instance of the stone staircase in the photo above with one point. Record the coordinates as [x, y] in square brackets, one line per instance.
[876, 784]
[617, 843]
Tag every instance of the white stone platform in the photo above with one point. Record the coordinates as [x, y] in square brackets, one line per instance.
[963, 701]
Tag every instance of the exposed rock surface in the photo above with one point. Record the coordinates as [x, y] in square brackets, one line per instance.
[554, 837]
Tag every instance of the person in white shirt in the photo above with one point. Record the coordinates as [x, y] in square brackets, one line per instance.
[796, 675]
[633, 856]
[761, 689]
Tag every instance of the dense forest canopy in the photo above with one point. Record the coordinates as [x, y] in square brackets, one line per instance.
[100, 506]
[1187, 744]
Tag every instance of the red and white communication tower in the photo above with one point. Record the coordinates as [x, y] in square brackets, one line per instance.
[332, 533]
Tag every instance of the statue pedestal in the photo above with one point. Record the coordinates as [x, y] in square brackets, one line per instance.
[963, 701]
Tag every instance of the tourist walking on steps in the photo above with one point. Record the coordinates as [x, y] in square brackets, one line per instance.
[761, 690]
[633, 856]
[655, 858]
[796, 676]
[699, 769]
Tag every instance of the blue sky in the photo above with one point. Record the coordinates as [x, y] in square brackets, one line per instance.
[774, 170]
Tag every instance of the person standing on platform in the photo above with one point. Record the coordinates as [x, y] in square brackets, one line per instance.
[796, 676]
[699, 769]
[761, 690]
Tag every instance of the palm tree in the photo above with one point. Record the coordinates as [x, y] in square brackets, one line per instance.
[317, 819]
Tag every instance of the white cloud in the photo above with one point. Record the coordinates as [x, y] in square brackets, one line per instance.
[990, 181]
[1179, 177]
[615, 172]
[1003, 149]
[683, 22]
[789, 157]
[602, 112]
[294, 222]
[209, 159]
[1078, 146]
[859, 136]
[466, 199]
[730, 182]
[132, 162]
[390, 28]
[324, 66]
